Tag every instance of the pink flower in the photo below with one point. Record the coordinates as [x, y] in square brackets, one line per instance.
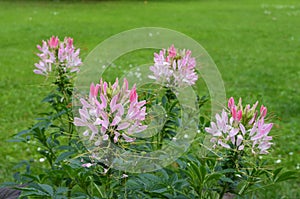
[133, 96]
[176, 69]
[172, 52]
[231, 103]
[116, 116]
[263, 111]
[57, 56]
[53, 42]
[229, 132]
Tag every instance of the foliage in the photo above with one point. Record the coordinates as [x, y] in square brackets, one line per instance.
[73, 172]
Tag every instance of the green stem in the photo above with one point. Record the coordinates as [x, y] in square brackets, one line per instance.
[223, 191]
[200, 191]
[71, 126]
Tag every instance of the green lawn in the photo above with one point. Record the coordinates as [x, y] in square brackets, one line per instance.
[255, 45]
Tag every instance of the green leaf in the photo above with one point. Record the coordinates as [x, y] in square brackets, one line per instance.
[227, 171]
[47, 188]
[214, 176]
[26, 189]
[33, 193]
[24, 132]
[35, 178]
[286, 176]
[164, 101]
[19, 139]
[225, 179]
[203, 171]
[61, 190]
[64, 156]
[162, 190]
[276, 172]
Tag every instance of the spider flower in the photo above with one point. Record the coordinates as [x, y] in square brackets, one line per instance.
[238, 128]
[174, 68]
[111, 112]
[57, 55]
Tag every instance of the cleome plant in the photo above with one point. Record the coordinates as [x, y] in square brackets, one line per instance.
[81, 142]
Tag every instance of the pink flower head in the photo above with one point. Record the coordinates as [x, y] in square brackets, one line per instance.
[133, 95]
[229, 132]
[239, 115]
[57, 56]
[116, 117]
[231, 103]
[69, 42]
[263, 111]
[172, 52]
[53, 42]
[174, 69]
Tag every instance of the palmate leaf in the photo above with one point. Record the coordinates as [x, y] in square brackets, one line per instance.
[196, 172]
[155, 185]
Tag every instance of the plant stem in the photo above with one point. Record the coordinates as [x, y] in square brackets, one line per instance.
[223, 190]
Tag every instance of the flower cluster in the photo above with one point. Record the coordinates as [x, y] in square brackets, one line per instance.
[111, 113]
[57, 55]
[240, 127]
[176, 69]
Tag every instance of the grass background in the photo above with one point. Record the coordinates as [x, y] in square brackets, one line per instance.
[255, 44]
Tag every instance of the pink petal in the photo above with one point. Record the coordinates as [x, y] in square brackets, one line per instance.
[239, 115]
[253, 118]
[116, 137]
[263, 111]
[116, 84]
[85, 133]
[133, 95]
[38, 72]
[241, 147]
[172, 51]
[84, 113]
[233, 132]
[239, 140]
[85, 103]
[223, 144]
[127, 138]
[103, 102]
[93, 128]
[105, 137]
[116, 121]
[242, 128]
[98, 121]
[141, 128]
[233, 113]
[123, 126]
[230, 103]
[113, 103]
[79, 122]
[92, 89]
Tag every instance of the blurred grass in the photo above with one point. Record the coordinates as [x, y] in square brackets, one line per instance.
[255, 45]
